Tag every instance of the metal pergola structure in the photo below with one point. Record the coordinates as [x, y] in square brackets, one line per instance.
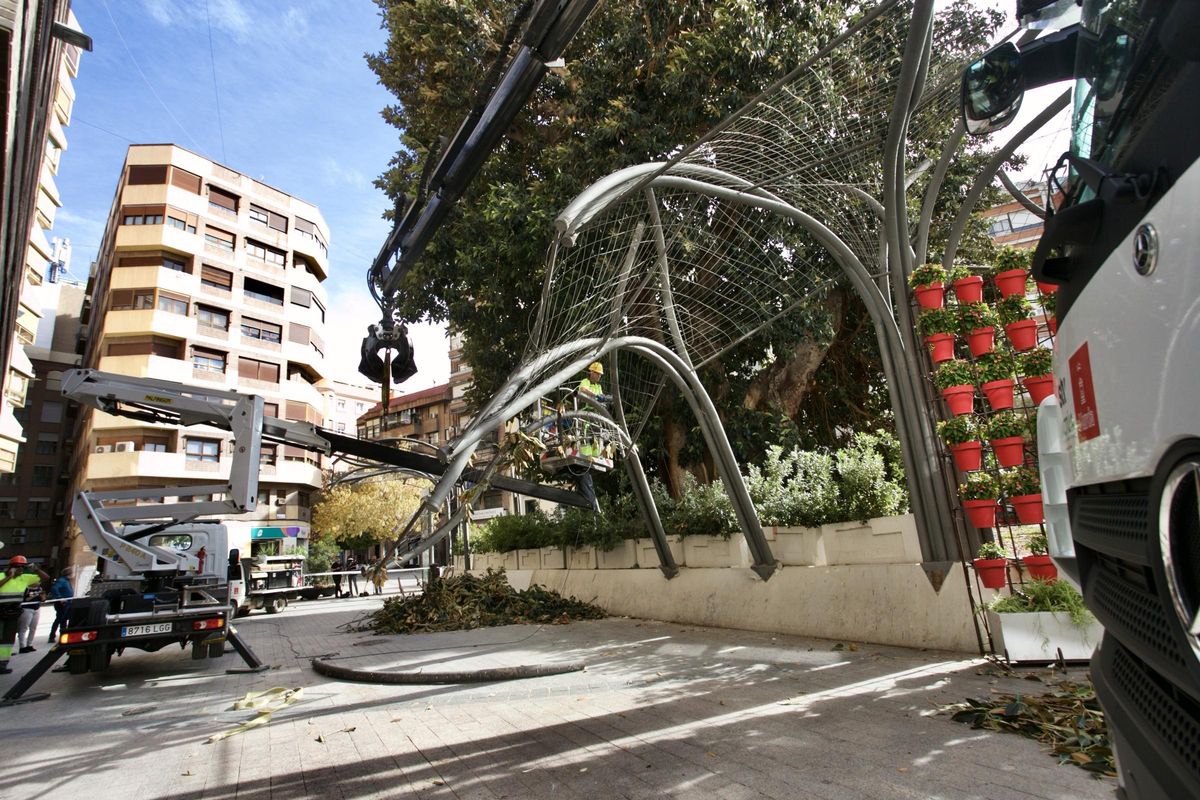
[637, 263]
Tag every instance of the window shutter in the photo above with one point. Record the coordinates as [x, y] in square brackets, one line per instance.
[185, 180]
[222, 198]
[143, 174]
[301, 297]
[298, 333]
[277, 221]
[216, 276]
[304, 226]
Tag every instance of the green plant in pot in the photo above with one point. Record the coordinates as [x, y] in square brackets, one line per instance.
[991, 565]
[1037, 595]
[1038, 563]
[1023, 488]
[926, 275]
[962, 437]
[1013, 309]
[1016, 314]
[955, 379]
[1006, 434]
[977, 321]
[967, 283]
[937, 320]
[1050, 308]
[1011, 258]
[997, 378]
[979, 493]
[1010, 271]
[1036, 362]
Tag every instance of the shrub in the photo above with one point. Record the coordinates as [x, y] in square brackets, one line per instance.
[1006, 424]
[1020, 480]
[979, 486]
[1039, 595]
[703, 509]
[1010, 258]
[994, 366]
[798, 488]
[957, 430]
[973, 316]
[927, 274]
[1014, 309]
[1038, 546]
[1050, 304]
[991, 550]
[514, 532]
[937, 320]
[1038, 361]
[866, 491]
[954, 372]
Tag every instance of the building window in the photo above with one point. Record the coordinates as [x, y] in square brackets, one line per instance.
[299, 333]
[172, 303]
[203, 450]
[43, 475]
[221, 201]
[176, 266]
[182, 224]
[271, 410]
[143, 299]
[208, 360]
[38, 509]
[155, 444]
[250, 369]
[341, 427]
[269, 218]
[189, 181]
[133, 216]
[8, 509]
[212, 316]
[266, 458]
[301, 297]
[47, 445]
[261, 330]
[52, 412]
[146, 174]
[263, 291]
[216, 278]
[309, 230]
[341, 405]
[222, 240]
[267, 253]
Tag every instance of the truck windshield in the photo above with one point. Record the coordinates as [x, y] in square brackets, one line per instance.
[1119, 69]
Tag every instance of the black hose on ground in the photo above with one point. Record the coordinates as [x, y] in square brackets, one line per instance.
[323, 667]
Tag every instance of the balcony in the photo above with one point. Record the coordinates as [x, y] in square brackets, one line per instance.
[303, 392]
[306, 245]
[134, 321]
[142, 277]
[167, 369]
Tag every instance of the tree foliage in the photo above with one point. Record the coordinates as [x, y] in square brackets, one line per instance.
[642, 78]
[364, 514]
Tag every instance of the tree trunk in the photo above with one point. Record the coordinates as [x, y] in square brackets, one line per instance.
[785, 383]
[674, 437]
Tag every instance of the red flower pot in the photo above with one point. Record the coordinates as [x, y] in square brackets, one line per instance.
[1040, 567]
[1022, 334]
[969, 290]
[1052, 324]
[968, 456]
[1039, 387]
[1047, 288]
[1011, 282]
[941, 346]
[982, 513]
[931, 296]
[981, 340]
[1028, 508]
[999, 393]
[960, 399]
[1010, 451]
[992, 572]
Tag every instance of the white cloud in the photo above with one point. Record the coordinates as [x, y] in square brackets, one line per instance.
[229, 16]
[295, 22]
[336, 173]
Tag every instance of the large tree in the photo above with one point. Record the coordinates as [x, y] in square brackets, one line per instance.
[642, 78]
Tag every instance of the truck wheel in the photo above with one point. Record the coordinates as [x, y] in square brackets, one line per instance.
[216, 650]
[199, 650]
[239, 611]
[77, 663]
[98, 658]
[276, 604]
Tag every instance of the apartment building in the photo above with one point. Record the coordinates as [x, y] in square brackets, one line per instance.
[1013, 224]
[423, 416]
[38, 97]
[344, 404]
[209, 278]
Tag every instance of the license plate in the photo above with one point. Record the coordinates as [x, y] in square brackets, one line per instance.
[144, 630]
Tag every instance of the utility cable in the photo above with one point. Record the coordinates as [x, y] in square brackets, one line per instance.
[212, 59]
[141, 72]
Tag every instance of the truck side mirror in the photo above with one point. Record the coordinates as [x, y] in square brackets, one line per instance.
[992, 89]
[234, 572]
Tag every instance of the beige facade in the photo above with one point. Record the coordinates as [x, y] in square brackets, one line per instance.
[29, 217]
[209, 278]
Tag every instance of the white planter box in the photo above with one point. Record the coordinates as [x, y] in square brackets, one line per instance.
[553, 558]
[529, 559]
[623, 556]
[1041, 636]
[581, 558]
[507, 560]
[803, 547]
[647, 554]
[459, 563]
[713, 551]
[887, 540]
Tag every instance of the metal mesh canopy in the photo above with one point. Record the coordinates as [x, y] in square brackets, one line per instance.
[652, 252]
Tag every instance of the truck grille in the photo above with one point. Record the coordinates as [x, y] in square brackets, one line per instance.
[1132, 613]
[1172, 716]
[1117, 524]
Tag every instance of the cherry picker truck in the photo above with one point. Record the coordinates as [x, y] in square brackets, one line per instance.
[165, 573]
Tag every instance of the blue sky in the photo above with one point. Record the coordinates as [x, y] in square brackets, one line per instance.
[283, 95]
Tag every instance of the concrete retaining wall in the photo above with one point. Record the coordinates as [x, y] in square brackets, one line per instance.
[832, 585]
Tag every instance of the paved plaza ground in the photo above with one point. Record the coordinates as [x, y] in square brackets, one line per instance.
[661, 710]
